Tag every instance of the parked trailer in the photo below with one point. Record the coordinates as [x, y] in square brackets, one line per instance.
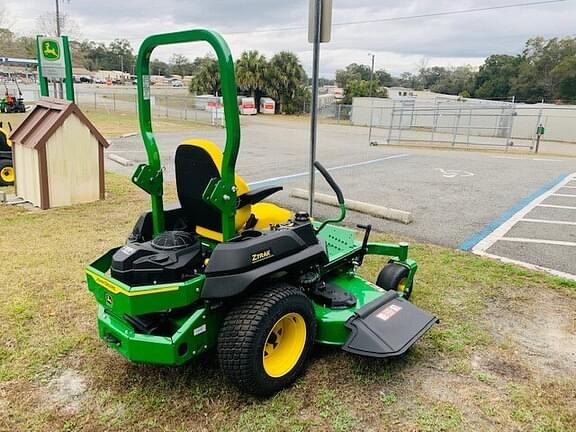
[267, 105]
[247, 105]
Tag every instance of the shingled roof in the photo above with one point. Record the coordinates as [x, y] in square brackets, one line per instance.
[46, 117]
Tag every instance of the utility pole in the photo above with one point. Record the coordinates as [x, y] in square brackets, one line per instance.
[371, 99]
[58, 88]
[371, 74]
[57, 18]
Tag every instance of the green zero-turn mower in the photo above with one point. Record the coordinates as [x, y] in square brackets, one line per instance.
[223, 270]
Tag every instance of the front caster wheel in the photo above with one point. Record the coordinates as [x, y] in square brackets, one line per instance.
[265, 341]
[394, 277]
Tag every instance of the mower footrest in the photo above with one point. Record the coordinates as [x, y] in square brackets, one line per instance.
[387, 327]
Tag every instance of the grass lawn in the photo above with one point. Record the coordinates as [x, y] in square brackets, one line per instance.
[502, 358]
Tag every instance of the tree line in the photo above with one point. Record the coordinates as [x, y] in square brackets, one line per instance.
[544, 70]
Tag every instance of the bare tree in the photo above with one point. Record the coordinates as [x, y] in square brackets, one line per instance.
[46, 24]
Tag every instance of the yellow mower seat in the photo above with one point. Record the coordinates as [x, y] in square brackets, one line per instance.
[197, 161]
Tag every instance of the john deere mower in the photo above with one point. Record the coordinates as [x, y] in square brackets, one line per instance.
[12, 104]
[6, 165]
[223, 272]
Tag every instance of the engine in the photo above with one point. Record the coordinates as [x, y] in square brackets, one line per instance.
[173, 256]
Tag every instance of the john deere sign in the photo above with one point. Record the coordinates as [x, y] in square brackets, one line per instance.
[51, 58]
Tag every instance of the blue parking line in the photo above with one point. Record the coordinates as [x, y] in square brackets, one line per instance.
[476, 238]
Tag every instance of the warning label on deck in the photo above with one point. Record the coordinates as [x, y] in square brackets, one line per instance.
[388, 312]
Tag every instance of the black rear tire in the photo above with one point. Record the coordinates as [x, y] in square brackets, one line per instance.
[6, 177]
[393, 277]
[246, 333]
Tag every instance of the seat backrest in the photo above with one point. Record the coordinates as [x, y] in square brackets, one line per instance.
[196, 163]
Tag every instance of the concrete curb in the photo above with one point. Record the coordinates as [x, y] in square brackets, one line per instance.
[359, 206]
[119, 160]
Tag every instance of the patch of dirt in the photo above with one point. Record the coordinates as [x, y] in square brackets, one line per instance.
[468, 394]
[66, 390]
[495, 363]
[542, 329]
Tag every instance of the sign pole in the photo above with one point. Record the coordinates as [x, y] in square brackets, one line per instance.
[43, 80]
[314, 108]
[69, 80]
[320, 22]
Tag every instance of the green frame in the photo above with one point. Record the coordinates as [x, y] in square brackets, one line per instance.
[220, 192]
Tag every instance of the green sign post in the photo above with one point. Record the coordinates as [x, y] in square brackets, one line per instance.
[54, 63]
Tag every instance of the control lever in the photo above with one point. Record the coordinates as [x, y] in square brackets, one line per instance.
[364, 248]
[339, 195]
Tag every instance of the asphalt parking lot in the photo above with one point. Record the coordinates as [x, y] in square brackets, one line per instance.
[542, 233]
[458, 198]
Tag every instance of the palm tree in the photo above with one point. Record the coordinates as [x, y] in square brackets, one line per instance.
[285, 76]
[207, 78]
[250, 71]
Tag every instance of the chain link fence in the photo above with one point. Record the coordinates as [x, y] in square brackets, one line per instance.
[167, 106]
[465, 122]
[439, 121]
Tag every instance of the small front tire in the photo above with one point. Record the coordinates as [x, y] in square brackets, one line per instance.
[265, 341]
[394, 277]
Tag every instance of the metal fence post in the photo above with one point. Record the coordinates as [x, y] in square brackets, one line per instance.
[469, 126]
[434, 121]
[510, 124]
[391, 121]
[400, 126]
[94, 100]
[457, 121]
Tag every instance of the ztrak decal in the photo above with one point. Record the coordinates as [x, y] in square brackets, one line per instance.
[259, 256]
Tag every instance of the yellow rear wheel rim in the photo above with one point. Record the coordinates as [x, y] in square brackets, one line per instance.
[284, 345]
[7, 174]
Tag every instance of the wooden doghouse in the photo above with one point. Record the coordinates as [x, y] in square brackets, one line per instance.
[58, 156]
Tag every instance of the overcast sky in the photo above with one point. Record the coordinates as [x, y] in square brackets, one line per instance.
[399, 46]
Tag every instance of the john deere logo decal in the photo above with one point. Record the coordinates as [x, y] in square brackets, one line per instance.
[109, 299]
[50, 50]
